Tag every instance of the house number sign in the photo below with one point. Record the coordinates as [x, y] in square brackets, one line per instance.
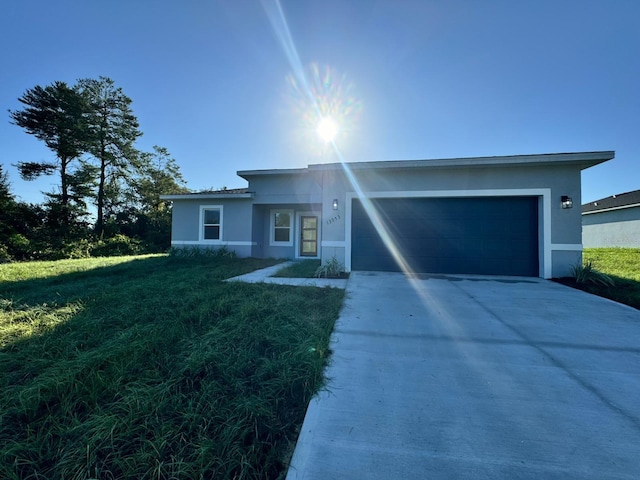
[333, 219]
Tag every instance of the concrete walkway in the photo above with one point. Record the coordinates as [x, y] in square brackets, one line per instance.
[264, 276]
[454, 377]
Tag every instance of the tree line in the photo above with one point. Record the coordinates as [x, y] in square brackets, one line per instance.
[107, 196]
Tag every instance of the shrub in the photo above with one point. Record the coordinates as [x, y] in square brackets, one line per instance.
[18, 247]
[4, 254]
[587, 274]
[197, 252]
[117, 245]
[77, 249]
[333, 268]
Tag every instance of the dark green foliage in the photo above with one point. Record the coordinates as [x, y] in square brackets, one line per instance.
[113, 129]
[92, 130]
[148, 217]
[115, 246]
[18, 222]
[55, 114]
[156, 368]
[586, 273]
[205, 252]
[32, 170]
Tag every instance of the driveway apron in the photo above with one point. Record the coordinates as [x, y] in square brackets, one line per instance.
[444, 377]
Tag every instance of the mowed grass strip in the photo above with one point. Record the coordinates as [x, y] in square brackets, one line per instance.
[300, 269]
[623, 266]
[156, 368]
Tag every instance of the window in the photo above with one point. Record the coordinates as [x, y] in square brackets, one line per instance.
[281, 227]
[211, 221]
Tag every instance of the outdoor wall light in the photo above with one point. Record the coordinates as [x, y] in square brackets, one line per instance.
[335, 204]
[566, 202]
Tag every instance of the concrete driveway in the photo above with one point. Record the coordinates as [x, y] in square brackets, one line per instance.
[444, 377]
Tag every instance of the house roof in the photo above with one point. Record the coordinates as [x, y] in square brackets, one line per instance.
[614, 202]
[224, 193]
[583, 159]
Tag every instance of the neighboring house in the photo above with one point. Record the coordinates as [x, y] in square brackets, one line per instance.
[487, 215]
[612, 222]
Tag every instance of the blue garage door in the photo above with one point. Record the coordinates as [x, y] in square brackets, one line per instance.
[481, 235]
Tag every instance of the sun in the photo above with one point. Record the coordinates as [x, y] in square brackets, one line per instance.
[327, 129]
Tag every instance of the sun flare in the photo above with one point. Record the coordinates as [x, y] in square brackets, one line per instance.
[327, 129]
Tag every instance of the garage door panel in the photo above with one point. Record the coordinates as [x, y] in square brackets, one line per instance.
[450, 235]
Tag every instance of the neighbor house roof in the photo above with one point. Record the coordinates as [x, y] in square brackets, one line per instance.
[614, 202]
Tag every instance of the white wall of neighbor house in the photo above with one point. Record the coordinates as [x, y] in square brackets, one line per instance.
[613, 228]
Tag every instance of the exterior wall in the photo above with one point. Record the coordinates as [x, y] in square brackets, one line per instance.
[285, 189]
[258, 218]
[615, 228]
[336, 186]
[236, 224]
[559, 228]
[246, 221]
[562, 261]
[262, 235]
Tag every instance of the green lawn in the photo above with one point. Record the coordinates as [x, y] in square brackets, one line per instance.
[301, 269]
[152, 367]
[623, 266]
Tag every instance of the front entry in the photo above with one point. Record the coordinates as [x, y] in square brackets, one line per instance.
[308, 235]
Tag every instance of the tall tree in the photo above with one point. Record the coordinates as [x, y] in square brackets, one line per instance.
[160, 175]
[7, 203]
[149, 216]
[113, 131]
[57, 115]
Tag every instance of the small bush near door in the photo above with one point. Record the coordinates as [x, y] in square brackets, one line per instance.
[331, 269]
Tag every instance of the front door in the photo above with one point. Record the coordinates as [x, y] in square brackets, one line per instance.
[308, 236]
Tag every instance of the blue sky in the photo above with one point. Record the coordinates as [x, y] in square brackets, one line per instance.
[211, 81]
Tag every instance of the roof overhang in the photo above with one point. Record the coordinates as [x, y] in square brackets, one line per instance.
[206, 196]
[277, 171]
[582, 159]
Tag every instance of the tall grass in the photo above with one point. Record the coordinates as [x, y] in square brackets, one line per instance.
[155, 368]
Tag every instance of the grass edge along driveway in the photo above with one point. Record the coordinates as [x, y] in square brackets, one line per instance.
[622, 265]
[155, 368]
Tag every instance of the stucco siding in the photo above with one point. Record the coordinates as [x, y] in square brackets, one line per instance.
[563, 261]
[258, 219]
[615, 228]
[247, 222]
[561, 180]
[285, 189]
[235, 224]
[559, 229]
[262, 232]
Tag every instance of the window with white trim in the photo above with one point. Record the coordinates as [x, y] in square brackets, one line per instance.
[211, 218]
[281, 227]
